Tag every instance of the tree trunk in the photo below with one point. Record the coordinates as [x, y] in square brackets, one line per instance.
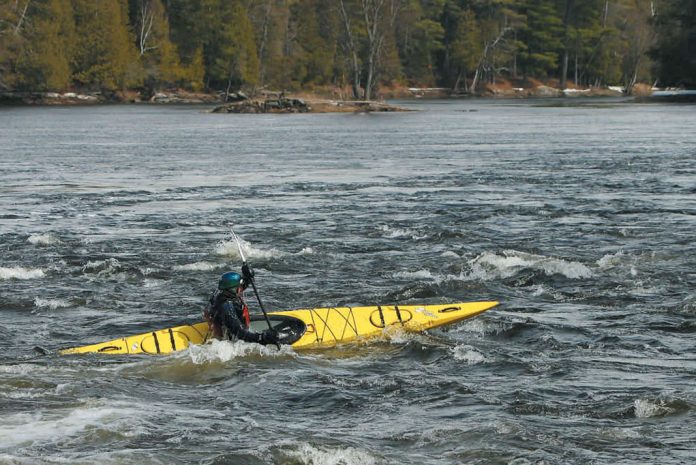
[262, 43]
[352, 51]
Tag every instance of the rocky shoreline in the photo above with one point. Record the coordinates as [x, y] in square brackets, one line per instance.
[298, 105]
[278, 102]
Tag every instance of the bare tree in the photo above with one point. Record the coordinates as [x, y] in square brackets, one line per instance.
[486, 62]
[351, 48]
[146, 19]
[380, 16]
[267, 10]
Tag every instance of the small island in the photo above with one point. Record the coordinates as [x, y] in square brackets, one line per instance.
[281, 103]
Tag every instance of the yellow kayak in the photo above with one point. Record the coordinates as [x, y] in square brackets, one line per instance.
[303, 328]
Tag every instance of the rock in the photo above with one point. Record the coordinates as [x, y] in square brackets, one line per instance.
[545, 91]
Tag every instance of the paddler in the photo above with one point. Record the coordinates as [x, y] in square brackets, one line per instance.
[228, 314]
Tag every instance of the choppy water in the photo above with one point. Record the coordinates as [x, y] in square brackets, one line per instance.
[580, 219]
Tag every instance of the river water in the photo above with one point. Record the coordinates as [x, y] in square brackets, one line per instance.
[579, 218]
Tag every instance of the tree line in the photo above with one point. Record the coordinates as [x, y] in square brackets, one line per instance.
[361, 45]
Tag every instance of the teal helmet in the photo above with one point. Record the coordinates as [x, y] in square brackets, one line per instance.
[229, 281]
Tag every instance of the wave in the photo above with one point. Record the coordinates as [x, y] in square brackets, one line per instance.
[224, 351]
[20, 273]
[51, 304]
[647, 408]
[38, 427]
[489, 266]
[468, 354]
[611, 260]
[418, 275]
[308, 454]
[230, 249]
[43, 239]
[396, 233]
[107, 266]
[198, 266]
[306, 251]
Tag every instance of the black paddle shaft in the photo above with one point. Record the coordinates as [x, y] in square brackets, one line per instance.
[258, 298]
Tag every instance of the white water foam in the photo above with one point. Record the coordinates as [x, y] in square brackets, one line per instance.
[51, 304]
[645, 408]
[395, 233]
[310, 455]
[224, 351]
[417, 275]
[306, 251]
[20, 273]
[611, 260]
[43, 239]
[489, 266]
[38, 427]
[108, 266]
[198, 266]
[468, 354]
[230, 249]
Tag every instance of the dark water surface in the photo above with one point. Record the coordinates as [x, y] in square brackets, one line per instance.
[579, 219]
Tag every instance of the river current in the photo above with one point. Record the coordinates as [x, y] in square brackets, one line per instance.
[579, 218]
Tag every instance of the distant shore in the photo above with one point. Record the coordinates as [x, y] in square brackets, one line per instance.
[307, 102]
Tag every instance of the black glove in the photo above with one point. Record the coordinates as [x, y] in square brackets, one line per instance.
[269, 336]
[247, 274]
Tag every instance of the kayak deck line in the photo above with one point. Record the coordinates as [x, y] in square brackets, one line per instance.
[305, 328]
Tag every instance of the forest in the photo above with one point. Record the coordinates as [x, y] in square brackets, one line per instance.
[364, 46]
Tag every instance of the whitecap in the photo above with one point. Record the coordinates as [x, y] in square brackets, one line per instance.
[468, 354]
[610, 260]
[491, 266]
[224, 351]
[102, 266]
[197, 266]
[311, 455]
[645, 408]
[51, 304]
[43, 239]
[420, 274]
[395, 233]
[39, 427]
[449, 254]
[230, 249]
[20, 273]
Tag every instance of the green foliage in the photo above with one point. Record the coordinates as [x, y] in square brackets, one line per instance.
[542, 36]
[675, 52]
[300, 44]
[106, 56]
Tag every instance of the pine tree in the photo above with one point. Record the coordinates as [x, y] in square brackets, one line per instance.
[229, 47]
[158, 55]
[105, 56]
[675, 53]
[542, 37]
[466, 48]
[420, 36]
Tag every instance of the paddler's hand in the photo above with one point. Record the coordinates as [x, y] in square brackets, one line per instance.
[247, 274]
[269, 336]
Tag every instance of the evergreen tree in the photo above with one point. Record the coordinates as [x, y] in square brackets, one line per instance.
[158, 55]
[420, 36]
[466, 48]
[315, 49]
[105, 57]
[43, 63]
[542, 36]
[229, 47]
[675, 53]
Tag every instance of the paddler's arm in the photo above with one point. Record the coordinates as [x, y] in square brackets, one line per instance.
[234, 326]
